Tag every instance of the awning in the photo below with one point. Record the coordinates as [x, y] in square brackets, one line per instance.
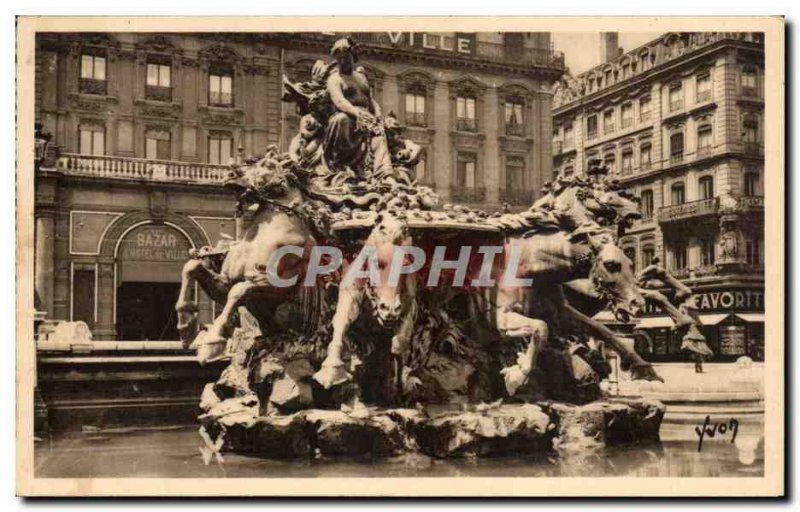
[654, 322]
[713, 318]
[751, 317]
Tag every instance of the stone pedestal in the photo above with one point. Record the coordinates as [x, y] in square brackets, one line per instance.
[480, 431]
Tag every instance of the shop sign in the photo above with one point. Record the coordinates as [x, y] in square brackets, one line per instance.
[724, 300]
[464, 43]
[732, 340]
[154, 243]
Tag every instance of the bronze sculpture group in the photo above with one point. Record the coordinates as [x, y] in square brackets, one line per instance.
[348, 182]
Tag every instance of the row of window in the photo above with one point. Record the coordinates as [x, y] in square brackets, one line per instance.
[158, 81]
[750, 138]
[703, 94]
[466, 114]
[679, 254]
[158, 145]
[706, 191]
[220, 93]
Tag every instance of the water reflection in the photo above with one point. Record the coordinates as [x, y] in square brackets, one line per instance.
[176, 454]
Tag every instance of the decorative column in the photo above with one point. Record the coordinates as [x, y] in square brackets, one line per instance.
[44, 259]
[442, 154]
[105, 329]
[491, 163]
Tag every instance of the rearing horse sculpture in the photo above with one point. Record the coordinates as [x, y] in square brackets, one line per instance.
[550, 259]
[386, 310]
[241, 278]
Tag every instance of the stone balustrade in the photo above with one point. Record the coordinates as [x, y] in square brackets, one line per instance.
[115, 167]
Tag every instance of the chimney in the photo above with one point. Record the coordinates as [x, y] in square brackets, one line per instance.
[609, 46]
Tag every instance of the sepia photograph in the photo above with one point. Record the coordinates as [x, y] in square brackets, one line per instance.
[295, 258]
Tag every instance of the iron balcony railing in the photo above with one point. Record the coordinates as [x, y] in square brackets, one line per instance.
[516, 130]
[220, 99]
[415, 119]
[750, 92]
[752, 148]
[158, 93]
[114, 167]
[464, 124]
[704, 151]
[92, 86]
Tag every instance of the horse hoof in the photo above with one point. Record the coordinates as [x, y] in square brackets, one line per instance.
[187, 331]
[645, 372]
[332, 375]
[514, 377]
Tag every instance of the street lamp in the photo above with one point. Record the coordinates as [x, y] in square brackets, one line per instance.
[41, 143]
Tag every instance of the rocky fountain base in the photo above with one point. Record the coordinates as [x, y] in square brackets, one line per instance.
[441, 432]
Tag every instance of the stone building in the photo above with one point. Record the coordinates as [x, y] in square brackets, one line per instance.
[142, 126]
[680, 122]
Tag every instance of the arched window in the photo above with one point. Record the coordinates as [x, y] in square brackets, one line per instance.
[676, 147]
[704, 142]
[706, 186]
[679, 256]
[675, 97]
[678, 193]
[703, 83]
[751, 183]
[644, 109]
[647, 204]
[514, 118]
[630, 252]
[749, 84]
[627, 115]
[627, 160]
[416, 96]
[648, 253]
[707, 252]
[750, 131]
[610, 161]
[645, 156]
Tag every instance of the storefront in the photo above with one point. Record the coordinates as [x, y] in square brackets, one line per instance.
[733, 324]
[149, 262]
[125, 270]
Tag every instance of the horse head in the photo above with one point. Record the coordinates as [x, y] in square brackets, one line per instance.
[270, 177]
[389, 234]
[611, 273]
[624, 206]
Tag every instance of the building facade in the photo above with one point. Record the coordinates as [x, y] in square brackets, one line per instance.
[143, 125]
[679, 121]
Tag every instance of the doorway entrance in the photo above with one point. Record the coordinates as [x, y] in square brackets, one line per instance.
[146, 311]
[149, 263]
